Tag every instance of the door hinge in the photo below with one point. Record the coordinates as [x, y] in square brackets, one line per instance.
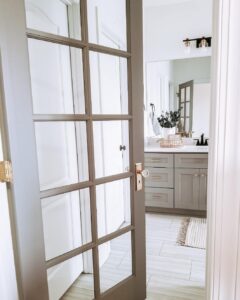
[6, 171]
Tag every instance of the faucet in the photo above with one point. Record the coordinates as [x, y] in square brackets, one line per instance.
[202, 141]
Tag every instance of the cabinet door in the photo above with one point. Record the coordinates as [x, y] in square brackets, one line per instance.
[186, 188]
[203, 189]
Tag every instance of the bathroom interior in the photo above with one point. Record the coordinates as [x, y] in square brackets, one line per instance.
[79, 66]
[177, 63]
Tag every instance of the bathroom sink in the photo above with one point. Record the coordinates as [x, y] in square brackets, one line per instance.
[195, 148]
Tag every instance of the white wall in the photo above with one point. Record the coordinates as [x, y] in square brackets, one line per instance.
[8, 285]
[166, 25]
[162, 80]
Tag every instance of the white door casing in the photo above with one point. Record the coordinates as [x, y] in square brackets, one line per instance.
[223, 263]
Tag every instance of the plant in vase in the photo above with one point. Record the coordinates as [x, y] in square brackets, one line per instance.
[168, 121]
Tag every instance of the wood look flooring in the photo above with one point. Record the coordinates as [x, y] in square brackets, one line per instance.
[173, 272]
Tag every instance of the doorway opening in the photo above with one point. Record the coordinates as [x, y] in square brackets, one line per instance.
[177, 71]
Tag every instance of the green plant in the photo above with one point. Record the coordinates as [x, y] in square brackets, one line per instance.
[169, 119]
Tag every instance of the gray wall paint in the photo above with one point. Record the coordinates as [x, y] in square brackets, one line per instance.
[197, 69]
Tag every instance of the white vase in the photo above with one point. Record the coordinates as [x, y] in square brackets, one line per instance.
[167, 131]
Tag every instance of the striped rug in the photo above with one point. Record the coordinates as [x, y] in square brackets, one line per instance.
[193, 233]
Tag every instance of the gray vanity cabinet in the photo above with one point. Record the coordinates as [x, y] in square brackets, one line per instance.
[191, 188]
[191, 181]
[203, 189]
[177, 182]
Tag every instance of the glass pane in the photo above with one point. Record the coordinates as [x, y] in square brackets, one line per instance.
[54, 16]
[182, 95]
[107, 23]
[182, 111]
[187, 109]
[66, 222]
[113, 206]
[56, 78]
[188, 97]
[62, 153]
[187, 125]
[115, 260]
[182, 122]
[109, 84]
[111, 147]
[72, 279]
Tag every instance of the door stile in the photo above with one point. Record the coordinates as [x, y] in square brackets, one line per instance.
[90, 141]
[25, 208]
[130, 111]
[135, 42]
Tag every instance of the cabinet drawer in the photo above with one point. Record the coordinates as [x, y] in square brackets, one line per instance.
[159, 177]
[191, 161]
[157, 197]
[158, 160]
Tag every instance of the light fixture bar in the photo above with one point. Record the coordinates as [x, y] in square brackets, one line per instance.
[200, 42]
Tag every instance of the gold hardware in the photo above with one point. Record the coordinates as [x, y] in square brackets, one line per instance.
[5, 171]
[140, 173]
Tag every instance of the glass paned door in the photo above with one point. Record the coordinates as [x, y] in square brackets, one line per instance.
[82, 127]
[186, 105]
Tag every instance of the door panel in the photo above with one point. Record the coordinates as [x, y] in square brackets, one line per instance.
[57, 87]
[109, 138]
[67, 272]
[64, 144]
[54, 16]
[113, 206]
[61, 161]
[118, 265]
[109, 84]
[103, 24]
[62, 222]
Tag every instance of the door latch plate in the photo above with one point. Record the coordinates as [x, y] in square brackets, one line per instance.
[139, 179]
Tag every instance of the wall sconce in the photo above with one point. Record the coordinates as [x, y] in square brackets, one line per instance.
[202, 42]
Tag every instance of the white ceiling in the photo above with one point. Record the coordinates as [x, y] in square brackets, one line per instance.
[169, 22]
[156, 3]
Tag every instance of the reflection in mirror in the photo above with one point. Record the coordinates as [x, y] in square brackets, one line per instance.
[179, 83]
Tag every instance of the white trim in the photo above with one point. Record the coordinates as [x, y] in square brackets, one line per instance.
[224, 157]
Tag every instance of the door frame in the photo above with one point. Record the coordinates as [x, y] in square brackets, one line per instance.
[223, 242]
[25, 195]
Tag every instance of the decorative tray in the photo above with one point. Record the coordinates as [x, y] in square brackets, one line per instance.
[170, 143]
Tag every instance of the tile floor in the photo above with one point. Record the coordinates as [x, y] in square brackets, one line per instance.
[173, 272]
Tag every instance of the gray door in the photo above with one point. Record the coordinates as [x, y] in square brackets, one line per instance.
[73, 100]
[185, 95]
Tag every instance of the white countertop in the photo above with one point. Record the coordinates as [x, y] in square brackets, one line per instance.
[183, 149]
